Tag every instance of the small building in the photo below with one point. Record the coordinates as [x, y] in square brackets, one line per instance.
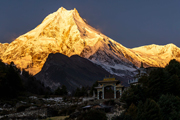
[133, 81]
[141, 71]
[109, 88]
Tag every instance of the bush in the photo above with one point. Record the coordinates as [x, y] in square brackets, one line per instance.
[67, 111]
[4, 112]
[123, 116]
[93, 115]
[61, 91]
[22, 108]
[109, 102]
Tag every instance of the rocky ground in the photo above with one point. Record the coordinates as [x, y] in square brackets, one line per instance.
[34, 107]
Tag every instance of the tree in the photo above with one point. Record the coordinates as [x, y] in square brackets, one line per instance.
[77, 92]
[173, 67]
[14, 81]
[132, 111]
[173, 85]
[148, 95]
[157, 83]
[169, 107]
[149, 111]
[133, 95]
[64, 90]
[61, 91]
[93, 88]
[140, 111]
[10, 81]
[57, 91]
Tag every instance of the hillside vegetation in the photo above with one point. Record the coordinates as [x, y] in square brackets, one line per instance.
[14, 82]
[156, 97]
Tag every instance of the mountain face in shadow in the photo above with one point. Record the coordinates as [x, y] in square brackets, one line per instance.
[72, 72]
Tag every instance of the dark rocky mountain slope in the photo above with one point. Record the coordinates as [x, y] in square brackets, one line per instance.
[72, 72]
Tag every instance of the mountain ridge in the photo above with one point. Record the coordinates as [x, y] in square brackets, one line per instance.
[164, 53]
[64, 31]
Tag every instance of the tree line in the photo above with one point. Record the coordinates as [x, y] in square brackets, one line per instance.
[156, 97]
[14, 82]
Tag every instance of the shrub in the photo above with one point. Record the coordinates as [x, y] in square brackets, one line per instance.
[67, 111]
[22, 108]
[109, 102]
[93, 115]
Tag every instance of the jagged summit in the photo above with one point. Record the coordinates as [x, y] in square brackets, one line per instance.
[64, 31]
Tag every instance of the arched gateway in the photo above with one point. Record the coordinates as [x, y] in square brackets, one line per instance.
[109, 88]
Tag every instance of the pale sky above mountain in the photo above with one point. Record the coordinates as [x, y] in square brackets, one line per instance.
[132, 23]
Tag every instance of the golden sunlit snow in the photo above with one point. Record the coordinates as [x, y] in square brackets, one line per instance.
[64, 31]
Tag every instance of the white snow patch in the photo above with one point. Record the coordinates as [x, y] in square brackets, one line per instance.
[56, 99]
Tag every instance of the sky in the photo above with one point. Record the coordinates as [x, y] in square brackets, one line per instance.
[132, 23]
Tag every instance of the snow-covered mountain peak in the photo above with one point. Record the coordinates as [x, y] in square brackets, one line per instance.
[66, 32]
[63, 31]
[171, 45]
[157, 49]
[158, 55]
[61, 9]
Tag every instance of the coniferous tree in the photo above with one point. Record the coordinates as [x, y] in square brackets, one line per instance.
[93, 88]
[61, 91]
[132, 111]
[151, 89]
[140, 111]
[64, 90]
[173, 67]
[157, 83]
[57, 91]
[133, 95]
[173, 85]
[169, 107]
[149, 111]
[77, 92]
[10, 81]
